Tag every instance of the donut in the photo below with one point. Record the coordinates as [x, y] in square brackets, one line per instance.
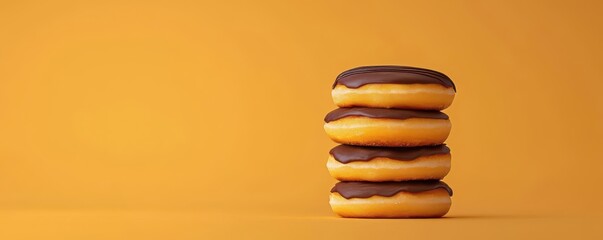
[387, 127]
[412, 199]
[393, 87]
[381, 164]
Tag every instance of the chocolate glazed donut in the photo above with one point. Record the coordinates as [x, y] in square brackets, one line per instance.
[387, 127]
[381, 164]
[393, 87]
[391, 199]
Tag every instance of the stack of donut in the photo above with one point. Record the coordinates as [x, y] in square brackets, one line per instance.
[392, 132]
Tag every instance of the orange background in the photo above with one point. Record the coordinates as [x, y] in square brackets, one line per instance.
[191, 119]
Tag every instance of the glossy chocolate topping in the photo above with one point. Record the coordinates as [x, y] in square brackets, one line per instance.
[382, 113]
[387, 189]
[360, 76]
[348, 153]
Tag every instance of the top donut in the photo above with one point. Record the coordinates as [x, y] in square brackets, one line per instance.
[393, 87]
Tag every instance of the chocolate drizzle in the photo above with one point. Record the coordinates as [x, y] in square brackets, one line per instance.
[360, 76]
[382, 113]
[347, 153]
[387, 189]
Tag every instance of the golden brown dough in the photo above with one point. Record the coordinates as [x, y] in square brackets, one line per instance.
[382, 169]
[365, 131]
[403, 96]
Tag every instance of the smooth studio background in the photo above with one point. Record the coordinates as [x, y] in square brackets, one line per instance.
[192, 118]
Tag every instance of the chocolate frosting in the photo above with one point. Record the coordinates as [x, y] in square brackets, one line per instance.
[382, 113]
[387, 189]
[360, 76]
[347, 153]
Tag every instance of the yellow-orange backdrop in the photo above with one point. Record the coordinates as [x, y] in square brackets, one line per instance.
[193, 105]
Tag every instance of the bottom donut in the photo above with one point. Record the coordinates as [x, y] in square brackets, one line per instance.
[411, 199]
